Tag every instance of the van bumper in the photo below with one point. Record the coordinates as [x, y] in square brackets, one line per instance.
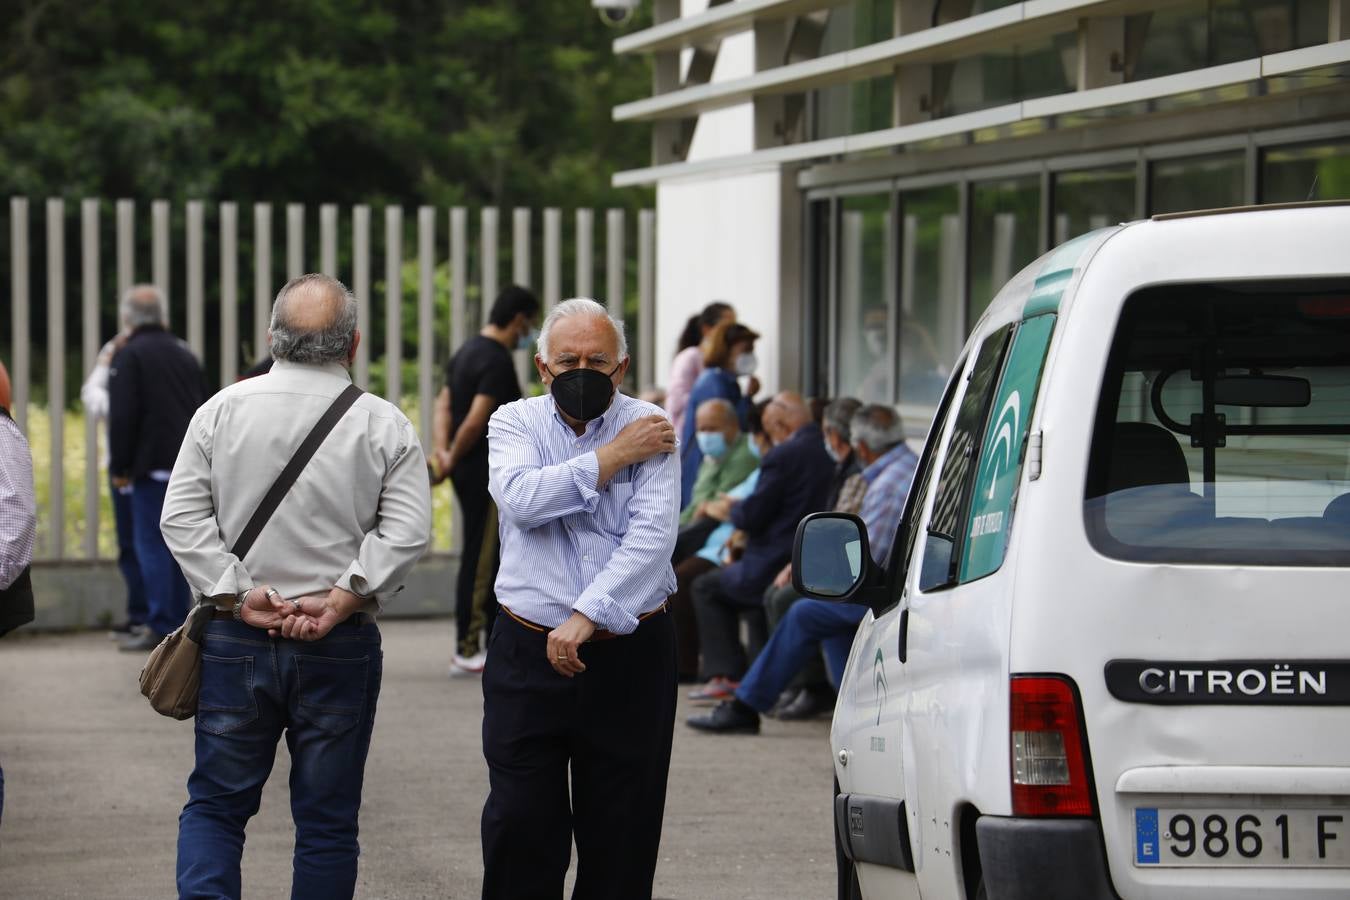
[1043, 859]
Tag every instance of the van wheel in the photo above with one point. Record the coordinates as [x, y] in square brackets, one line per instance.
[846, 873]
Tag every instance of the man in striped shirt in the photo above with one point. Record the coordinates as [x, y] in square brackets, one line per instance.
[581, 663]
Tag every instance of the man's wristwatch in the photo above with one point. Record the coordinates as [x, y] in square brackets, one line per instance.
[239, 605]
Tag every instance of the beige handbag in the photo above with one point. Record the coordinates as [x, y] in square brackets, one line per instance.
[172, 675]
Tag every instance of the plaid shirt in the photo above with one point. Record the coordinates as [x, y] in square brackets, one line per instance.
[888, 481]
[851, 494]
[18, 510]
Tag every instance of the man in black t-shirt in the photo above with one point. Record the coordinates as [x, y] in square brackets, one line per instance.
[479, 377]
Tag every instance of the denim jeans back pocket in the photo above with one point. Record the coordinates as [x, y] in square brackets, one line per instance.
[331, 691]
[226, 702]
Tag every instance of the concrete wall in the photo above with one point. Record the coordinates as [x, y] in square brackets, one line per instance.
[719, 237]
[92, 595]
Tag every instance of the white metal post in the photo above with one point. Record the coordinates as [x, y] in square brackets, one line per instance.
[552, 258]
[56, 375]
[585, 267]
[361, 288]
[393, 303]
[295, 240]
[262, 278]
[614, 280]
[488, 262]
[426, 315]
[159, 251]
[196, 275]
[89, 341]
[328, 239]
[20, 360]
[229, 293]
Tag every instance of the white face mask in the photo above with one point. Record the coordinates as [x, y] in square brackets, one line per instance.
[875, 339]
[746, 364]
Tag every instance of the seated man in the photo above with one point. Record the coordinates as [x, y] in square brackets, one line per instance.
[712, 551]
[794, 480]
[727, 459]
[889, 472]
[810, 694]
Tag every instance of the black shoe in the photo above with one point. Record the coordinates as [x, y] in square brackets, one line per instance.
[811, 702]
[141, 643]
[728, 717]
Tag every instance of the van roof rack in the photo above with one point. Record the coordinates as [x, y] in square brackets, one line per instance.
[1195, 213]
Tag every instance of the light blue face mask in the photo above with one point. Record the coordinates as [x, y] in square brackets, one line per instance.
[712, 443]
[526, 340]
[754, 448]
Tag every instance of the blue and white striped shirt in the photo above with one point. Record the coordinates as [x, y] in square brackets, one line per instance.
[565, 546]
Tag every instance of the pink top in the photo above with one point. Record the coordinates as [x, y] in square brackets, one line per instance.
[684, 371]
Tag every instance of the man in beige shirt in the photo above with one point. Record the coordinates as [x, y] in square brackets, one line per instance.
[340, 544]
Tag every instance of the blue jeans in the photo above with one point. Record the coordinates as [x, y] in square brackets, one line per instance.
[166, 592]
[322, 695]
[807, 623]
[137, 610]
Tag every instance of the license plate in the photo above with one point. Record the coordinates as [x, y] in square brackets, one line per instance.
[1267, 837]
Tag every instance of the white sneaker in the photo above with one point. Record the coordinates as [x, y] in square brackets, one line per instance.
[468, 666]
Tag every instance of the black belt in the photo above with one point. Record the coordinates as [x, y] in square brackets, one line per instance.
[601, 634]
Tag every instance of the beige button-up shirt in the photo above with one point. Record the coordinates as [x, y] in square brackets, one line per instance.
[358, 517]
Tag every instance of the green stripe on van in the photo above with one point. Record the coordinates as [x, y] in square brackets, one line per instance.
[1054, 276]
[1000, 460]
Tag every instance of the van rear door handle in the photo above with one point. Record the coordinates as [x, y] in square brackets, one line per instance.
[904, 635]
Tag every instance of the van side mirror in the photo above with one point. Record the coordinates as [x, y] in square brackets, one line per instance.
[832, 561]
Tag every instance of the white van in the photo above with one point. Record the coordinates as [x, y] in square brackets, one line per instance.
[1110, 653]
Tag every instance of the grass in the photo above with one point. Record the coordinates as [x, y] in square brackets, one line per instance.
[73, 462]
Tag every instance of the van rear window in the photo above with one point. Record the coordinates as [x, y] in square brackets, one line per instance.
[1223, 430]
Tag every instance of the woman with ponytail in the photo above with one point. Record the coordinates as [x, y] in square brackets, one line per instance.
[688, 363]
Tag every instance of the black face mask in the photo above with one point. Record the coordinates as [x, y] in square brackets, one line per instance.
[582, 393]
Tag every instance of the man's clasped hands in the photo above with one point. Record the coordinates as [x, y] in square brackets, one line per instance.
[306, 618]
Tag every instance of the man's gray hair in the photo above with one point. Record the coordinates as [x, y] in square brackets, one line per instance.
[838, 417]
[296, 339]
[580, 306]
[722, 406]
[144, 304]
[877, 426]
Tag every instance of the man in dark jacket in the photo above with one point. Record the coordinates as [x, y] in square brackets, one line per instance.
[155, 384]
[794, 480]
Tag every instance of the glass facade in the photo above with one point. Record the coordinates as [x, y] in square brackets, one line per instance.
[866, 297]
[1202, 33]
[1004, 235]
[899, 277]
[1089, 199]
[1019, 72]
[930, 325]
[1306, 172]
[863, 105]
[1196, 182]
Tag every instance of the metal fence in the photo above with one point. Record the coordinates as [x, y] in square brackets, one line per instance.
[629, 286]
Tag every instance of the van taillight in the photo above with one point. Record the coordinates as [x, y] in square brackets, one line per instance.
[1049, 769]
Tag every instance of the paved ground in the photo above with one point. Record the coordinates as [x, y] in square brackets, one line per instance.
[94, 781]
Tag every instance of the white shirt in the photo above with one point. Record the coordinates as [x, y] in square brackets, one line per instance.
[358, 517]
[565, 545]
[18, 510]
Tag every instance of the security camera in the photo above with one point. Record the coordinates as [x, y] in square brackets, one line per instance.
[615, 13]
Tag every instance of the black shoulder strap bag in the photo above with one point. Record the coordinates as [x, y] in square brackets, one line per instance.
[171, 678]
[16, 601]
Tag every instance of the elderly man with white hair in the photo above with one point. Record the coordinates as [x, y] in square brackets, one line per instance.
[155, 385]
[580, 670]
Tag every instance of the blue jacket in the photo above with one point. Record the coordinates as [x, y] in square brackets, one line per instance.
[794, 480]
[712, 384]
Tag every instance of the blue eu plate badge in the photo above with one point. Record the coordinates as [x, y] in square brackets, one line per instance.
[1146, 837]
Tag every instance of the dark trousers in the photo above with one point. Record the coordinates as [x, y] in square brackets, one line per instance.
[166, 592]
[137, 610]
[322, 695]
[777, 602]
[719, 627]
[682, 611]
[479, 561]
[612, 725]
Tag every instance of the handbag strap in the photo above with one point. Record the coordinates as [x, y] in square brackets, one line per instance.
[272, 499]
